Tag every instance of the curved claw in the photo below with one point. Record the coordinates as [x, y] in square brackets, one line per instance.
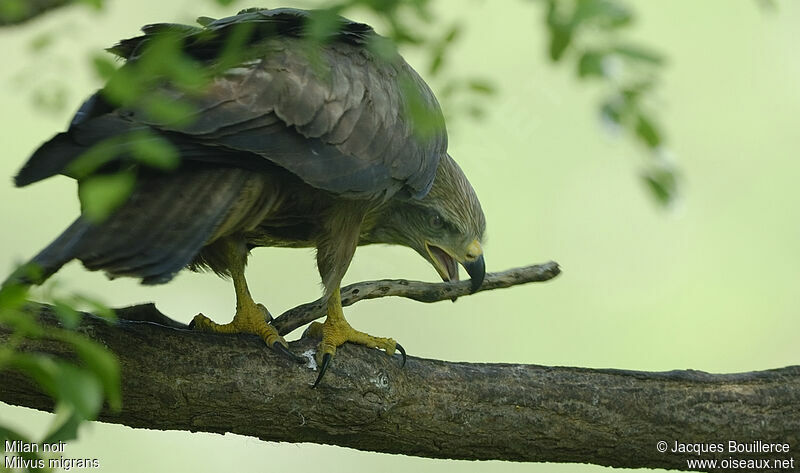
[326, 360]
[402, 352]
[278, 348]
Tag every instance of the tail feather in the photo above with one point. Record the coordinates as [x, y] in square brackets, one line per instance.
[55, 255]
[160, 254]
[159, 230]
[156, 208]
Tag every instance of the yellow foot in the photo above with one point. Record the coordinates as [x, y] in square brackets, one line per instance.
[249, 319]
[336, 332]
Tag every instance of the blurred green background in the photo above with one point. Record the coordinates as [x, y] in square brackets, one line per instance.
[710, 284]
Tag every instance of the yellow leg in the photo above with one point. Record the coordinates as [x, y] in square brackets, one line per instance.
[250, 317]
[336, 331]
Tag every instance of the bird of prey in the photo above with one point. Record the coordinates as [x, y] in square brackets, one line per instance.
[328, 144]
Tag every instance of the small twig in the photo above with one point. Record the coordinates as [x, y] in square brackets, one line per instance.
[417, 290]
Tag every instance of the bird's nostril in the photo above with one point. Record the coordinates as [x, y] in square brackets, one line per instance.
[474, 251]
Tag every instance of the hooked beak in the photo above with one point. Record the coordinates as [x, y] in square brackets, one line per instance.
[445, 264]
[477, 271]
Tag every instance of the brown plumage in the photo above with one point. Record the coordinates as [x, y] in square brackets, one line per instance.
[284, 148]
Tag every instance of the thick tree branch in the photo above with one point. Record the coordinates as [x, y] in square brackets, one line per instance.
[178, 379]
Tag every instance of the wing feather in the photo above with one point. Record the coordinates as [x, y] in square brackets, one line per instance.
[336, 116]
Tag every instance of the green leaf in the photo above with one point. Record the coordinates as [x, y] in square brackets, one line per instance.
[382, 47]
[481, 86]
[99, 361]
[425, 124]
[437, 59]
[42, 369]
[591, 64]
[235, 45]
[22, 323]
[402, 34]
[104, 365]
[96, 4]
[66, 429]
[13, 10]
[163, 58]
[553, 18]
[646, 131]
[164, 109]
[560, 39]
[154, 151]
[40, 42]
[124, 86]
[323, 24]
[187, 74]
[611, 112]
[104, 67]
[439, 49]
[69, 317]
[102, 194]
[79, 389]
[12, 294]
[662, 183]
[452, 34]
[639, 54]
[436, 62]
[639, 88]
[607, 14]
[95, 157]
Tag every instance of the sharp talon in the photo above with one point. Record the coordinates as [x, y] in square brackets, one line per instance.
[278, 348]
[402, 352]
[454, 299]
[326, 359]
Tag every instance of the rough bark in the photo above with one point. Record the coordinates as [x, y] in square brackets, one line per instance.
[178, 379]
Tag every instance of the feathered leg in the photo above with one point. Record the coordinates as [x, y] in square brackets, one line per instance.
[334, 253]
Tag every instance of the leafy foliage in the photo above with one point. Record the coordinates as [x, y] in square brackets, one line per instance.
[17, 11]
[79, 387]
[588, 32]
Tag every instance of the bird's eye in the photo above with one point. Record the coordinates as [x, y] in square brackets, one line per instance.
[436, 221]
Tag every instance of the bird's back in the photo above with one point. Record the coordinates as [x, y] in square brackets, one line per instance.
[336, 118]
[328, 110]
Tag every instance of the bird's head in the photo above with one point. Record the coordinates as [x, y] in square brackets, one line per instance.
[445, 227]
